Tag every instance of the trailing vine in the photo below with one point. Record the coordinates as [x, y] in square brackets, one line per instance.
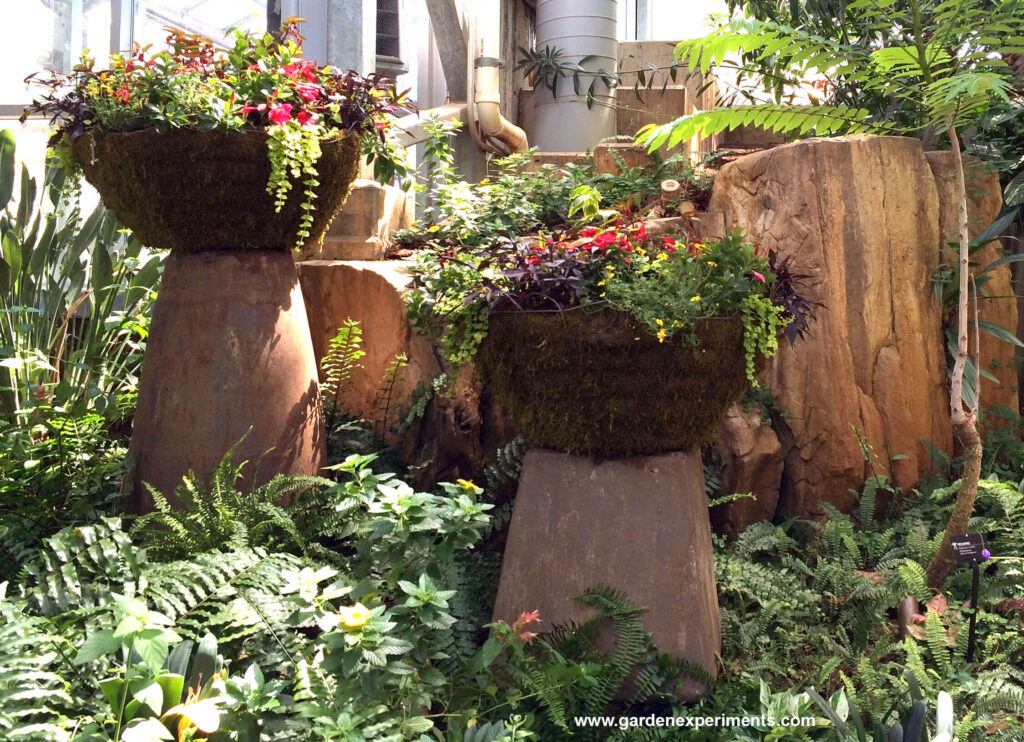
[293, 150]
[763, 321]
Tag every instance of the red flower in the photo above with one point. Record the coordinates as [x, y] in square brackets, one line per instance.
[308, 91]
[605, 239]
[249, 108]
[304, 117]
[589, 232]
[641, 231]
[253, 68]
[307, 71]
[290, 69]
[122, 94]
[759, 276]
[280, 113]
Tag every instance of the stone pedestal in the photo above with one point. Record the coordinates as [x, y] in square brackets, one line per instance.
[639, 525]
[229, 348]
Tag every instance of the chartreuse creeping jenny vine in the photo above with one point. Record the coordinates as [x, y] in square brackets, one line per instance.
[293, 151]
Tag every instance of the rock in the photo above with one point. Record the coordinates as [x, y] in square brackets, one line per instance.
[638, 525]
[229, 348]
[860, 215]
[369, 292]
[362, 229]
[984, 198]
[751, 463]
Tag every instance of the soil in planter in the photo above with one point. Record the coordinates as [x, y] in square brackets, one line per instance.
[597, 383]
[190, 191]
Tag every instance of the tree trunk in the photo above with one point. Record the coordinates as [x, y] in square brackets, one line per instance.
[938, 568]
[965, 420]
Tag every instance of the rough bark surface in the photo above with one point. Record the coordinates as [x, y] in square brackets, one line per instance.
[860, 215]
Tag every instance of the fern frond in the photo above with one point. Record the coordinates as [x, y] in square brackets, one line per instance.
[782, 119]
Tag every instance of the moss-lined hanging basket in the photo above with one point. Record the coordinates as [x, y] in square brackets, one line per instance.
[597, 383]
[192, 191]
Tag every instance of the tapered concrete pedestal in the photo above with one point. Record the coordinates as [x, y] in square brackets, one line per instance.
[229, 348]
[639, 525]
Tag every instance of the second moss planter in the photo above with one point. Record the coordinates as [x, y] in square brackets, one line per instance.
[597, 383]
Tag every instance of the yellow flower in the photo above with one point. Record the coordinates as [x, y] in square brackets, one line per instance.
[663, 256]
[602, 294]
[694, 298]
[712, 264]
[641, 251]
[601, 282]
[433, 228]
[466, 484]
[660, 322]
[355, 616]
[661, 334]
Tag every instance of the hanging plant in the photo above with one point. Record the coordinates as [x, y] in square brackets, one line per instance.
[260, 84]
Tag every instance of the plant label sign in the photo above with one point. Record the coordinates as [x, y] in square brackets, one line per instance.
[967, 548]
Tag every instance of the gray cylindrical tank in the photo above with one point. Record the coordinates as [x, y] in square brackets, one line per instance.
[586, 32]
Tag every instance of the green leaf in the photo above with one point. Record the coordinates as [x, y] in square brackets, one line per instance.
[152, 647]
[97, 645]
[111, 688]
[486, 655]
[172, 686]
[993, 231]
[12, 253]
[1013, 194]
[432, 676]
[6, 167]
[149, 694]
[1000, 332]
[417, 725]
[102, 268]
[148, 730]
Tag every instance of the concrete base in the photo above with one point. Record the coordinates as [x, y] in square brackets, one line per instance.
[639, 525]
[229, 348]
[362, 229]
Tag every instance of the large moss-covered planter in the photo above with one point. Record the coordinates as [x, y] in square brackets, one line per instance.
[192, 191]
[597, 383]
[229, 353]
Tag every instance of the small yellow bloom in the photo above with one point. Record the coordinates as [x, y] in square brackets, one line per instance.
[662, 256]
[601, 282]
[433, 228]
[694, 298]
[466, 484]
[355, 616]
[712, 264]
[662, 334]
[660, 322]
[602, 294]
[641, 251]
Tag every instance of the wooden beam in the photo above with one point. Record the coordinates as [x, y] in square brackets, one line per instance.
[451, 46]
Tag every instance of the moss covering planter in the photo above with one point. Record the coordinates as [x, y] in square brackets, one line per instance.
[597, 383]
[192, 191]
